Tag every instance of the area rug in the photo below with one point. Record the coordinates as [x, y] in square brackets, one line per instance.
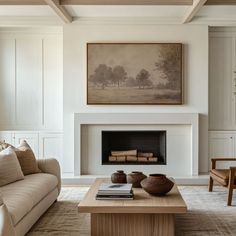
[207, 214]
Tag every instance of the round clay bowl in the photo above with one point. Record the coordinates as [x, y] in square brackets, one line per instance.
[135, 177]
[157, 184]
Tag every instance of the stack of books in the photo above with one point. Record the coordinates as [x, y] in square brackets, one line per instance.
[115, 192]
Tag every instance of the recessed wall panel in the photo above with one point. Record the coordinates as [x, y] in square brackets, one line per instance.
[7, 81]
[52, 58]
[29, 81]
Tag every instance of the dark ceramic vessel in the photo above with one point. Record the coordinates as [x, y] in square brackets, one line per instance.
[157, 184]
[119, 177]
[135, 177]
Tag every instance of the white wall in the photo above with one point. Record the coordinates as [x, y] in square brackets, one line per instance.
[195, 40]
[31, 79]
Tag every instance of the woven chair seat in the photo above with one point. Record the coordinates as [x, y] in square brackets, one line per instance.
[221, 175]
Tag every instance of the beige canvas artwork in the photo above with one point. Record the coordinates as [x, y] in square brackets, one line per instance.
[134, 73]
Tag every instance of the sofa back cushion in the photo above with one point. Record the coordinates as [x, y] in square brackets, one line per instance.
[26, 158]
[10, 170]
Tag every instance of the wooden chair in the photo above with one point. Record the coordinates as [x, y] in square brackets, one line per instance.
[225, 177]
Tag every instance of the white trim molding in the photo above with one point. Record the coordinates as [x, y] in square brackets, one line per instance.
[29, 21]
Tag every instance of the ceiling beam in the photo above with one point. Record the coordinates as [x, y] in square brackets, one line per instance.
[117, 2]
[60, 10]
[221, 2]
[193, 10]
[126, 2]
[100, 2]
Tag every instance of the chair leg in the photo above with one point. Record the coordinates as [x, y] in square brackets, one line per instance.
[210, 184]
[231, 185]
[230, 195]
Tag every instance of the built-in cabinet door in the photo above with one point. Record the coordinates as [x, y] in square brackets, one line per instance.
[51, 146]
[222, 95]
[234, 81]
[31, 84]
[7, 81]
[221, 84]
[222, 145]
[44, 144]
[29, 75]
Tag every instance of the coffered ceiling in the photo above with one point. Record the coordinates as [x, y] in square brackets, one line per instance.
[179, 11]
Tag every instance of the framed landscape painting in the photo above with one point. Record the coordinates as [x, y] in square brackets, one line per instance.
[134, 73]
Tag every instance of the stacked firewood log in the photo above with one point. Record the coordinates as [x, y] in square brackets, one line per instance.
[132, 156]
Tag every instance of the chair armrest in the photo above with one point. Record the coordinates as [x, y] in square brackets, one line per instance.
[214, 160]
[223, 159]
[6, 225]
[51, 166]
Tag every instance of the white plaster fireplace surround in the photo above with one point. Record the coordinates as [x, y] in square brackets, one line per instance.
[182, 141]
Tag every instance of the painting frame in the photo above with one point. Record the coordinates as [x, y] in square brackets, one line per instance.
[180, 77]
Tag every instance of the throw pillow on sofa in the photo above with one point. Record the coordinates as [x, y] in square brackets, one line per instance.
[26, 158]
[10, 170]
[4, 145]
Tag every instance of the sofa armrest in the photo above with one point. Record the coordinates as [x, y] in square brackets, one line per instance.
[51, 166]
[6, 225]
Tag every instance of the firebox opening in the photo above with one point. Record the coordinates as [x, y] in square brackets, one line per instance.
[134, 147]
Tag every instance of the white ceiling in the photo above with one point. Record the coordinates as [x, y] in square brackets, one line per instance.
[164, 12]
[132, 11]
[26, 11]
[217, 11]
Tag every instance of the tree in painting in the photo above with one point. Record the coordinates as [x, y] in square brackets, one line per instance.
[131, 82]
[142, 79]
[169, 63]
[102, 75]
[118, 75]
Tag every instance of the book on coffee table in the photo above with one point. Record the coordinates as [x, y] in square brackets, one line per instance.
[114, 191]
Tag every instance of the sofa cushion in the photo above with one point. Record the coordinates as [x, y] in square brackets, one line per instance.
[26, 158]
[20, 197]
[4, 145]
[10, 170]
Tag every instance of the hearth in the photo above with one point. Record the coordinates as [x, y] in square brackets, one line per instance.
[141, 147]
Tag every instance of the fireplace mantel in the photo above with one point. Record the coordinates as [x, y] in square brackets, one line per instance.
[191, 119]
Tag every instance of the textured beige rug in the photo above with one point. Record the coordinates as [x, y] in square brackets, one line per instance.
[208, 214]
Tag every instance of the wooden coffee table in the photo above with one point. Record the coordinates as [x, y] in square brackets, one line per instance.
[146, 215]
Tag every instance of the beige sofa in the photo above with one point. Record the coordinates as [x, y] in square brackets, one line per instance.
[24, 201]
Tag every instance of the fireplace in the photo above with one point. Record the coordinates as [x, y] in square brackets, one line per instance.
[141, 147]
[182, 136]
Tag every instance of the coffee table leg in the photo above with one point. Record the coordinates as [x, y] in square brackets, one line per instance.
[109, 224]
